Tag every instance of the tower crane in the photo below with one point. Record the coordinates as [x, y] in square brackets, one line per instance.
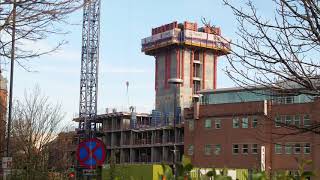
[89, 70]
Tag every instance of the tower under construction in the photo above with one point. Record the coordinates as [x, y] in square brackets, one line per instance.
[185, 52]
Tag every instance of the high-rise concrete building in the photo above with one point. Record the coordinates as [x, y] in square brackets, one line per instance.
[184, 51]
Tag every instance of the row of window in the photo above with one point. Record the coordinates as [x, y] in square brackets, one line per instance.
[236, 149]
[208, 123]
[236, 123]
[291, 148]
[244, 148]
[292, 120]
[245, 122]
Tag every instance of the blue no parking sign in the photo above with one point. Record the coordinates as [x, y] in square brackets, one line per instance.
[91, 153]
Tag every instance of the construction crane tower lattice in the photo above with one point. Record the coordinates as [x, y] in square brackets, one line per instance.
[89, 67]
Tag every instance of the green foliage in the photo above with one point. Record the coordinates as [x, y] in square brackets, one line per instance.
[222, 176]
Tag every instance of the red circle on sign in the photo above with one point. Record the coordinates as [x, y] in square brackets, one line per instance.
[83, 145]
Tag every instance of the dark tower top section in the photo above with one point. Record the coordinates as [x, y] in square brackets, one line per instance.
[185, 34]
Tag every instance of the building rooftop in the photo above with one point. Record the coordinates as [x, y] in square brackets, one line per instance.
[185, 34]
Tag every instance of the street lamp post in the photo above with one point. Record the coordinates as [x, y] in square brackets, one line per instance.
[13, 37]
[176, 82]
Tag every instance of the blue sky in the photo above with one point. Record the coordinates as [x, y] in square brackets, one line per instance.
[123, 24]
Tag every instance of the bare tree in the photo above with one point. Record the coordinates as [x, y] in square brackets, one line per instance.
[35, 20]
[279, 52]
[36, 123]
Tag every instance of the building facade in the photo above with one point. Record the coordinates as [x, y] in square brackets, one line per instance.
[61, 151]
[238, 128]
[3, 112]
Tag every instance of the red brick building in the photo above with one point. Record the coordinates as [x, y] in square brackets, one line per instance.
[3, 112]
[229, 127]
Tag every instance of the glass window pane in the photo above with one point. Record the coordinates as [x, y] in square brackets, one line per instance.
[297, 148]
[288, 120]
[245, 149]
[245, 122]
[307, 148]
[278, 148]
[218, 123]
[278, 121]
[254, 148]
[254, 122]
[218, 149]
[235, 123]
[207, 149]
[207, 123]
[190, 150]
[288, 148]
[297, 120]
[235, 148]
[306, 121]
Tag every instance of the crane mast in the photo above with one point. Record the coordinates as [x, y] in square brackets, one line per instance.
[89, 67]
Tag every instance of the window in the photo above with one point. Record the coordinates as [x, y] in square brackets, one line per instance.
[307, 148]
[218, 123]
[235, 148]
[245, 122]
[278, 121]
[278, 148]
[288, 148]
[190, 150]
[207, 123]
[191, 124]
[306, 121]
[297, 148]
[288, 120]
[254, 122]
[207, 149]
[245, 148]
[254, 148]
[289, 99]
[218, 149]
[196, 55]
[296, 120]
[235, 123]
